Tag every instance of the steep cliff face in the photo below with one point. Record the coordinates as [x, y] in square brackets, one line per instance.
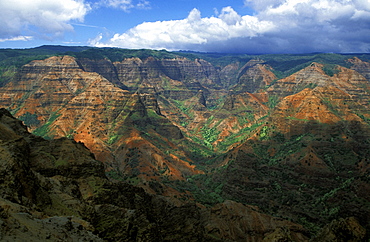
[40, 82]
[104, 67]
[314, 75]
[253, 76]
[296, 147]
[311, 177]
[229, 74]
[312, 146]
[197, 70]
[58, 99]
[178, 78]
[308, 77]
[235, 111]
[360, 66]
[323, 104]
[310, 94]
[55, 190]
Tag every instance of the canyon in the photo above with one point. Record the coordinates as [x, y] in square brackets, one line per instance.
[124, 142]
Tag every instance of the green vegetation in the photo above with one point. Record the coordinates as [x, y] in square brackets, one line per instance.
[43, 130]
[116, 54]
[29, 119]
[332, 108]
[10, 64]
[283, 64]
[185, 109]
[330, 69]
[205, 189]
[210, 135]
[297, 119]
[282, 150]
[243, 120]
[264, 133]
[197, 151]
[367, 120]
[112, 139]
[238, 137]
[12, 59]
[331, 193]
[115, 175]
[273, 101]
[304, 175]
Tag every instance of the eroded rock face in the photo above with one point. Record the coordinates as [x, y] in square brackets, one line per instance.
[58, 99]
[309, 77]
[55, 190]
[300, 176]
[361, 67]
[253, 76]
[347, 229]
[312, 95]
[136, 74]
[347, 80]
[297, 147]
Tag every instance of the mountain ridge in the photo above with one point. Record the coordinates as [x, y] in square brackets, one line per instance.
[190, 129]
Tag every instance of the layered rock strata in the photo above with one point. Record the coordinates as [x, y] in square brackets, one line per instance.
[55, 190]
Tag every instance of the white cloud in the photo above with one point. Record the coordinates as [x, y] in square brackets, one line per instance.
[194, 31]
[229, 16]
[95, 40]
[17, 38]
[275, 26]
[50, 18]
[125, 5]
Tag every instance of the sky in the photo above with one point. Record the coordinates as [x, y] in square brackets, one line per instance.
[228, 26]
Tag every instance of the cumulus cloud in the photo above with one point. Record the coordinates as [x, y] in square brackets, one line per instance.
[194, 32]
[276, 26]
[50, 18]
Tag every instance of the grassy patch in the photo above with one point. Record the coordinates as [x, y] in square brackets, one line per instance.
[30, 119]
[44, 130]
[330, 69]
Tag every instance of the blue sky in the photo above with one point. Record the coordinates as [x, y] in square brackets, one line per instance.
[233, 26]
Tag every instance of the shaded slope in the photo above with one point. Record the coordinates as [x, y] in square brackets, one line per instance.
[58, 99]
[62, 194]
[312, 177]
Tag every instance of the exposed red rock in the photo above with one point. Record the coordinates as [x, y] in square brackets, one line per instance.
[295, 147]
[87, 107]
[254, 75]
[361, 67]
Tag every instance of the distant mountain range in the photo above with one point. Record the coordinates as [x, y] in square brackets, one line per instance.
[273, 137]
